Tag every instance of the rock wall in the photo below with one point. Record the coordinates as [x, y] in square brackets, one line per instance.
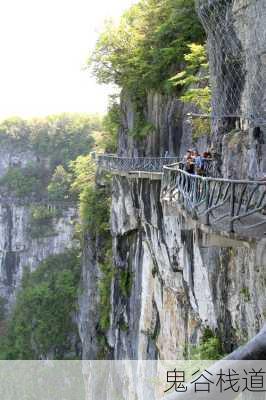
[181, 285]
[88, 301]
[171, 127]
[185, 279]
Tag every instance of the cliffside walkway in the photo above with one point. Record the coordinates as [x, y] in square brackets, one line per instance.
[235, 206]
[232, 205]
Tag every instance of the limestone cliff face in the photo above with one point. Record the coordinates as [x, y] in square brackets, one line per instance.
[184, 280]
[89, 300]
[19, 247]
[171, 129]
[185, 277]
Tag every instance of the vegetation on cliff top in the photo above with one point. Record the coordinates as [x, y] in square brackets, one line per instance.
[53, 143]
[143, 50]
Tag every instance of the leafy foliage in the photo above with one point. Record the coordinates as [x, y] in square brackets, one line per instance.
[94, 202]
[63, 137]
[195, 81]
[111, 125]
[83, 170]
[195, 78]
[94, 210]
[41, 324]
[125, 282]
[15, 131]
[59, 186]
[150, 39]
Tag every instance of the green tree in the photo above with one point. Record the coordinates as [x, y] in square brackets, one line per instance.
[195, 78]
[14, 130]
[59, 186]
[83, 170]
[111, 124]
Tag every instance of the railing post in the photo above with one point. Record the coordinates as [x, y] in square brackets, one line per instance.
[232, 206]
[207, 202]
[195, 191]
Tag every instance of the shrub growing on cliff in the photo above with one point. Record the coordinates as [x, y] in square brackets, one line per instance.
[105, 293]
[41, 220]
[210, 347]
[125, 282]
[94, 200]
[94, 210]
[42, 322]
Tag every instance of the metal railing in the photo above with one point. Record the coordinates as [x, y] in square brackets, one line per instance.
[113, 163]
[234, 205]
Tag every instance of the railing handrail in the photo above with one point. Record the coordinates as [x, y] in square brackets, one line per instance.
[112, 162]
[225, 201]
[209, 178]
[136, 158]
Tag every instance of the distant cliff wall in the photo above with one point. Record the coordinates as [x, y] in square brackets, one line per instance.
[21, 246]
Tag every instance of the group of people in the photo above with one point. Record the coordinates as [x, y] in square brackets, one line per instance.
[195, 163]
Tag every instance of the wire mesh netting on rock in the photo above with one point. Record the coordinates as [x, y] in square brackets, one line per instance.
[236, 32]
